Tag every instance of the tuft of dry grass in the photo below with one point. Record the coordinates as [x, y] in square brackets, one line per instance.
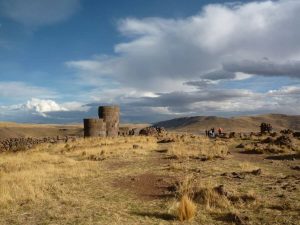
[186, 208]
[203, 193]
[210, 198]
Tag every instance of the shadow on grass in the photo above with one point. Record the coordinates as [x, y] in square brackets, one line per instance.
[157, 215]
[162, 150]
[162, 196]
[252, 152]
[233, 218]
[284, 157]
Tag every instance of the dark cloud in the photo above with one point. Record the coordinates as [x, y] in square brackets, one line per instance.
[219, 75]
[181, 99]
[264, 67]
[200, 84]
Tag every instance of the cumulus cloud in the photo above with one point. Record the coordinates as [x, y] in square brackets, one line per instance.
[38, 12]
[45, 107]
[44, 110]
[42, 106]
[162, 54]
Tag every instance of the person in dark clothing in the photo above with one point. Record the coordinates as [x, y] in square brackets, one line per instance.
[212, 132]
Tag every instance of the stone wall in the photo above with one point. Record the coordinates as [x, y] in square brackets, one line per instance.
[21, 144]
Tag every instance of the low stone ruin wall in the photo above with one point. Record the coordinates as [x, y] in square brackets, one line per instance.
[124, 131]
[152, 131]
[147, 131]
[21, 144]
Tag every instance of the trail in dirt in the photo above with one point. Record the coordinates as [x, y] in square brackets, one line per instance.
[150, 183]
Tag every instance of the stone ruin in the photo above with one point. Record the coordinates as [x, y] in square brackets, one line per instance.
[152, 131]
[21, 144]
[111, 117]
[147, 131]
[106, 126]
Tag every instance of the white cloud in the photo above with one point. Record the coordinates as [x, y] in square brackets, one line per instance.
[45, 106]
[42, 106]
[164, 53]
[75, 106]
[39, 12]
[285, 90]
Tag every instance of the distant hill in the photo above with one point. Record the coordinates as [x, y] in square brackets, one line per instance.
[198, 124]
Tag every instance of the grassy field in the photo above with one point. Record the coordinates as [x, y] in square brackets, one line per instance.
[148, 180]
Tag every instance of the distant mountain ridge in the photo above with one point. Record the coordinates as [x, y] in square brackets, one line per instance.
[198, 124]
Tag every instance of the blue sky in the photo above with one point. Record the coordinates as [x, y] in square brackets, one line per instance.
[59, 59]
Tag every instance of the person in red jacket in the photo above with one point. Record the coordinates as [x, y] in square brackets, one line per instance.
[220, 131]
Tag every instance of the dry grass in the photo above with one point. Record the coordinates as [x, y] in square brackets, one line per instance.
[186, 209]
[212, 200]
[28, 176]
[269, 145]
[248, 166]
[191, 146]
[203, 193]
[77, 183]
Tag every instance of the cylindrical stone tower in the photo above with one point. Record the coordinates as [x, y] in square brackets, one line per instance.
[94, 128]
[111, 116]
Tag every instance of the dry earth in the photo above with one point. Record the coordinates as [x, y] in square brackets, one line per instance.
[135, 180]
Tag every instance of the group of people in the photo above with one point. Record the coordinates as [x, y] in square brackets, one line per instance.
[211, 132]
[265, 127]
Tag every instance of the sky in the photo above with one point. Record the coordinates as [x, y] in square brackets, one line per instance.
[61, 59]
